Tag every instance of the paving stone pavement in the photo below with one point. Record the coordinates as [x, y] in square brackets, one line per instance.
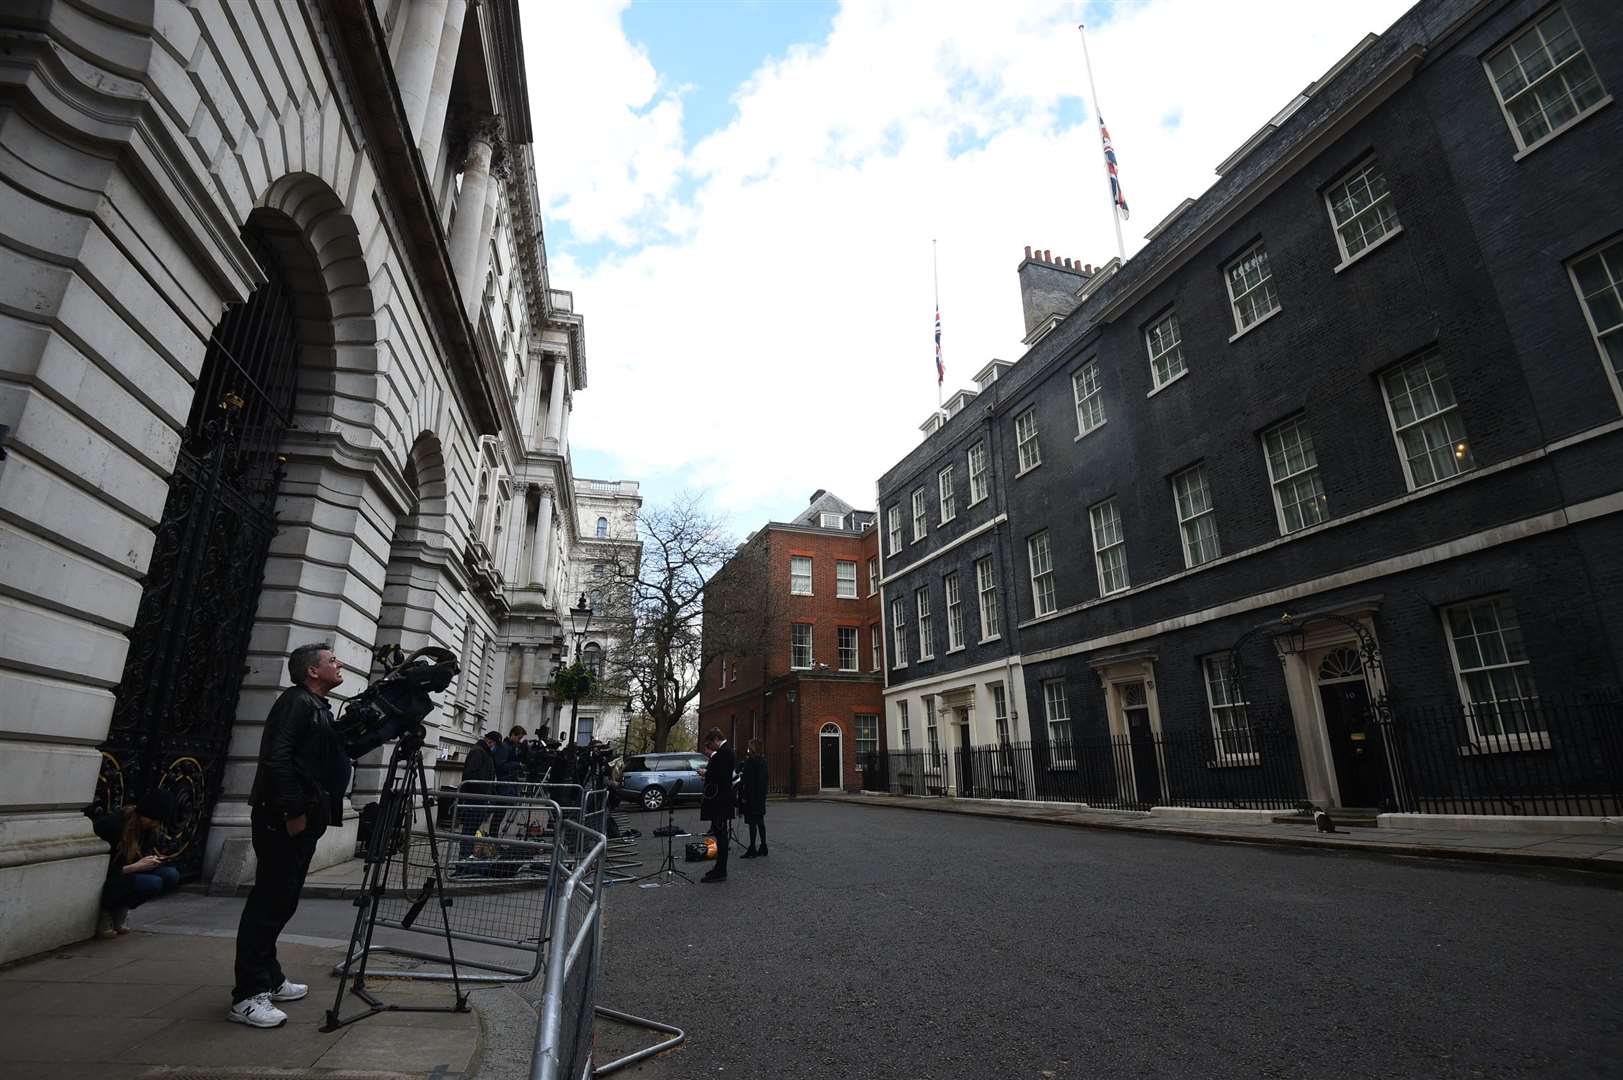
[153, 1005]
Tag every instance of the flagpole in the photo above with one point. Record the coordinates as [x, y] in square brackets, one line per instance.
[935, 277]
[1098, 113]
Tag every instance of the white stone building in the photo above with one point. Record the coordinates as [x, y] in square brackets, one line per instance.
[606, 520]
[281, 363]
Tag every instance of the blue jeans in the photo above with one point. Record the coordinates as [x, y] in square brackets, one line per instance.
[133, 890]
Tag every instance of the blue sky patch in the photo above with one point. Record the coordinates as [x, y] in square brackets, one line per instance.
[711, 48]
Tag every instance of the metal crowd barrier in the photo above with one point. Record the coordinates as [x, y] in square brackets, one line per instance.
[499, 873]
[563, 1040]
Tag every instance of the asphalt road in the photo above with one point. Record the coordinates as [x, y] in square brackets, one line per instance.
[879, 942]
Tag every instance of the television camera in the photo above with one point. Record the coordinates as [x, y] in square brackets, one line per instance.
[393, 706]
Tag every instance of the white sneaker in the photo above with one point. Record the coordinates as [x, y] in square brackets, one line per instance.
[258, 1012]
[289, 991]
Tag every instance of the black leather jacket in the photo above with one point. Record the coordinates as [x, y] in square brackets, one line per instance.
[302, 765]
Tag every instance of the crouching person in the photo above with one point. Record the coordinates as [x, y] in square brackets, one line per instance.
[135, 870]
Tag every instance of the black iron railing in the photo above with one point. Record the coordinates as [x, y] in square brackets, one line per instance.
[1559, 756]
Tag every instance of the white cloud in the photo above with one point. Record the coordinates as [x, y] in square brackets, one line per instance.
[772, 334]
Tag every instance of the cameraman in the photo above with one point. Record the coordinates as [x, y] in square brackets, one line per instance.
[512, 769]
[298, 791]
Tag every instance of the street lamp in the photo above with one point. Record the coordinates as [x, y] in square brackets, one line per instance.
[580, 620]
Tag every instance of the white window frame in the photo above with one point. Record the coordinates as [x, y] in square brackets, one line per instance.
[945, 494]
[978, 487]
[1431, 362]
[1107, 549]
[1090, 402]
[1057, 716]
[1388, 221]
[1478, 712]
[898, 627]
[1231, 731]
[1165, 349]
[876, 642]
[902, 727]
[932, 734]
[1040, 564]
[795, 575]
[1535, 26]
[986, 592]
[794, 644]
[867, 729]
[723, 662]
[919, 524]
[1267, 292]
[840, 633]
[1308, 474]
[921, 605]
[824, 515]
[955, 612]
[893, 524]
[873, 575]
[1000, 712]
[1028, 451]
[1197, 516]
[1610, 257]
[845, 588]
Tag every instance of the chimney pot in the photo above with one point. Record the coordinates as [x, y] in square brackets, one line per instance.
[1088, 269]
[1067, 264]
[1048, 256]
[1028, 251]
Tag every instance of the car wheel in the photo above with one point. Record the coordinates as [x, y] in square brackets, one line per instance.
[653, 797]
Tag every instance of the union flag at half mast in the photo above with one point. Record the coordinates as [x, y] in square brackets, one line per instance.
[1110, 166]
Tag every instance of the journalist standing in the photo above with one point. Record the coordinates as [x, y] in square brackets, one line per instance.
[755, 798]
[717, 807]
[298, 791]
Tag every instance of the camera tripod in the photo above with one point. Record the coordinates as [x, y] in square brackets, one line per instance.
[405, 791]
[670, 831]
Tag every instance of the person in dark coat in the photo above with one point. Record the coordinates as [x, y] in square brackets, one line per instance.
[755, 798]
[479, 768]
[717, 807]
[298, 791]
[135, 870]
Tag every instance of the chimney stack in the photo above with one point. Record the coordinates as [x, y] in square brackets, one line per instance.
[1048, 286]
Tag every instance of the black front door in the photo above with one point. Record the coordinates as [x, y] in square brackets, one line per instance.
[174, 707]
[1146, 768]
[1355, 744]
[831, 761]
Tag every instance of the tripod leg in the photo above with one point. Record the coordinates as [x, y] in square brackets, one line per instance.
[420, 777]
[374, 880]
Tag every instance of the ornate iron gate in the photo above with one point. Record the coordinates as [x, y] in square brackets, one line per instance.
[177, 699]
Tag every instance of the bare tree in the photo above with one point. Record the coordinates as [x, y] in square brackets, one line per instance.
[661, 661]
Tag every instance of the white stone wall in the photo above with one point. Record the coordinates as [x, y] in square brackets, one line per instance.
[135, 154]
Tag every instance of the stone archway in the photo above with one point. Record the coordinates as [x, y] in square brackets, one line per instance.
[323, 579]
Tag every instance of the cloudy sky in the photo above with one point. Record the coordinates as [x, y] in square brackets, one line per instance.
[742, 196]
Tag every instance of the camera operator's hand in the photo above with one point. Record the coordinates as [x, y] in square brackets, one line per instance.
[295, 825]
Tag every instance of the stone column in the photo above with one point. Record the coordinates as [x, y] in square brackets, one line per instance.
[518, 518]
[439, 92]
[555, 403]
[543, 539]
[419, 53]
[526, 687]
[469, 241]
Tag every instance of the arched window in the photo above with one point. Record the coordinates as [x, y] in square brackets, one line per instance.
[592, 657]
[602, 527]
[597, 600]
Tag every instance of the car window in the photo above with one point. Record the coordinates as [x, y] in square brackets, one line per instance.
[696, 763]
[636, 764]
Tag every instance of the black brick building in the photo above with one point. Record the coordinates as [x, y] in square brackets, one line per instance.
[1369, 379]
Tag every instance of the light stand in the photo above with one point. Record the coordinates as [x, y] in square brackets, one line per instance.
[670, 831]
[396, 807]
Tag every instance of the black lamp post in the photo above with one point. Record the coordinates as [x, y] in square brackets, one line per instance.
[580, 620]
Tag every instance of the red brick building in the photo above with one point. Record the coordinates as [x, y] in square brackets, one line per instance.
[792, 624]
